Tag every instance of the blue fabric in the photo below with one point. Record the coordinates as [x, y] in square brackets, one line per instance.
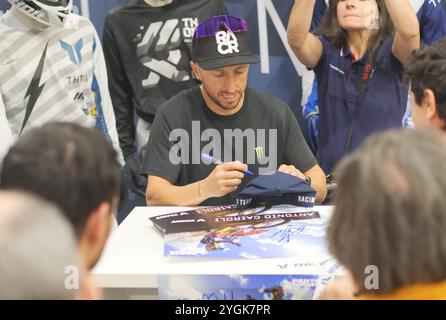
[101, 125]
[432, 17]
[311, 115]
[318, 14]
[4, 5]
[382, 105]
[278, 188]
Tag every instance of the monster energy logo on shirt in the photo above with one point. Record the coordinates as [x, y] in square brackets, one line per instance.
[260, 153]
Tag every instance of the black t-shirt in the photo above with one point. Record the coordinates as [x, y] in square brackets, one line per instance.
[147, 51]
[263, 134]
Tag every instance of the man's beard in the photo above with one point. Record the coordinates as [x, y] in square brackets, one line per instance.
[215, 100]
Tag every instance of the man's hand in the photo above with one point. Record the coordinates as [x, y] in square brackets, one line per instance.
[292, 170]
[224, 179]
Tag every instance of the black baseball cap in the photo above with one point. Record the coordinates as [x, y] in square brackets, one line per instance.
[222, 41]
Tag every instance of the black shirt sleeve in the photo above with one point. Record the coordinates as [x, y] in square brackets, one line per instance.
[297, 152]
[120, 90]
[157, 161]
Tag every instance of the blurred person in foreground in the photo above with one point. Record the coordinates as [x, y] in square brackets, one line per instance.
[74, 168]
[388, 224]
[38, 255]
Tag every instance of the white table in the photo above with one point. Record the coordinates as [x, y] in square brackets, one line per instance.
[133, 256]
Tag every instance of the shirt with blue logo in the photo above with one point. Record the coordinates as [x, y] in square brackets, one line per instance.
[54, 74]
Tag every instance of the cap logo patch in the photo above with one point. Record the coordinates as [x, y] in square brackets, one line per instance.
[227, 42]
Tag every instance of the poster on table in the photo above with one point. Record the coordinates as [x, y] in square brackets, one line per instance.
[228, 232]
[294, 281]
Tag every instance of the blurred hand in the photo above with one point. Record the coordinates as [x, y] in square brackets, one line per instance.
[225, 178]
[342, 288]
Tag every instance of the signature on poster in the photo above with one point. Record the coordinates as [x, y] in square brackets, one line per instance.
[287, 234]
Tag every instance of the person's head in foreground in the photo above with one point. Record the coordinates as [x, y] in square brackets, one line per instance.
[426, 75]
[389, 222]
[76, 169]
[37, 247]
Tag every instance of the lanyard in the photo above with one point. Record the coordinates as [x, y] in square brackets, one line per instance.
[362, 86]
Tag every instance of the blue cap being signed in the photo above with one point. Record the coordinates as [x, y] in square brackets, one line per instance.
[278, 188]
